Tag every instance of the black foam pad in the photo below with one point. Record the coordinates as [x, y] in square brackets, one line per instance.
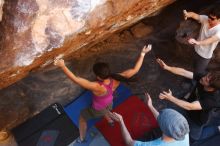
[51, 127]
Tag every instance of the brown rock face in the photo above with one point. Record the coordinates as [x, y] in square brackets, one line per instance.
[33, 32]
[140, 30]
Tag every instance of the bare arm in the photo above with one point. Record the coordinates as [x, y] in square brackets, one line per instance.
[175, 70]
[130, 72]
[78, 80]
[191, 15]
[207, 41]
[150, 105]
[125, 134]
[184, 104]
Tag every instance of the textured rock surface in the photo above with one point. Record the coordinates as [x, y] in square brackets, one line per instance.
[140, 30]
[33, 32]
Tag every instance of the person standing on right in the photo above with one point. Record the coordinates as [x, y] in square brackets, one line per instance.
[208, 39]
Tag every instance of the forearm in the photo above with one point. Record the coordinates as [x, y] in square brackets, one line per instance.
[126, 135]
[180, 71]
[174, 70]
[78, 80]
[131, 72]
[69, 74]
[154, 111]
[184, 104]
[193, 15]
[139, 63]
[208, 41]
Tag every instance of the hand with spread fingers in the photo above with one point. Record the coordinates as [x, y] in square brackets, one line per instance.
[166, 95]
[148, 99]
[116, 117]
[150, 105]
[162, 64]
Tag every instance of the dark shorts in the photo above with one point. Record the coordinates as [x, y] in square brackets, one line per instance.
[91, 113]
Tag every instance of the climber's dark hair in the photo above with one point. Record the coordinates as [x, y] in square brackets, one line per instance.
[102, 70]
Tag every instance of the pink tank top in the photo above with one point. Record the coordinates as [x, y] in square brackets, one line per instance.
[101, 102]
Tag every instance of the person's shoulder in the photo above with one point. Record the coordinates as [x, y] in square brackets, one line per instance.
[184, 142]
[203, 19]
[217, 28]
[187, 138]
[156, 142]
[99, 85]
[115, 84]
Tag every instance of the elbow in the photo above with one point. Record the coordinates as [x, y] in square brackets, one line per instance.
[189, 108]
[133, 72]
[182, 72]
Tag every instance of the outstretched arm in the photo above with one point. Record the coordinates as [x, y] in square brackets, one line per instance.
[150, 105]
[175, 70]
[130, 72]
[78, 80]
[207, 41]
[125, 134]
[190, 15]
[184, 104]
